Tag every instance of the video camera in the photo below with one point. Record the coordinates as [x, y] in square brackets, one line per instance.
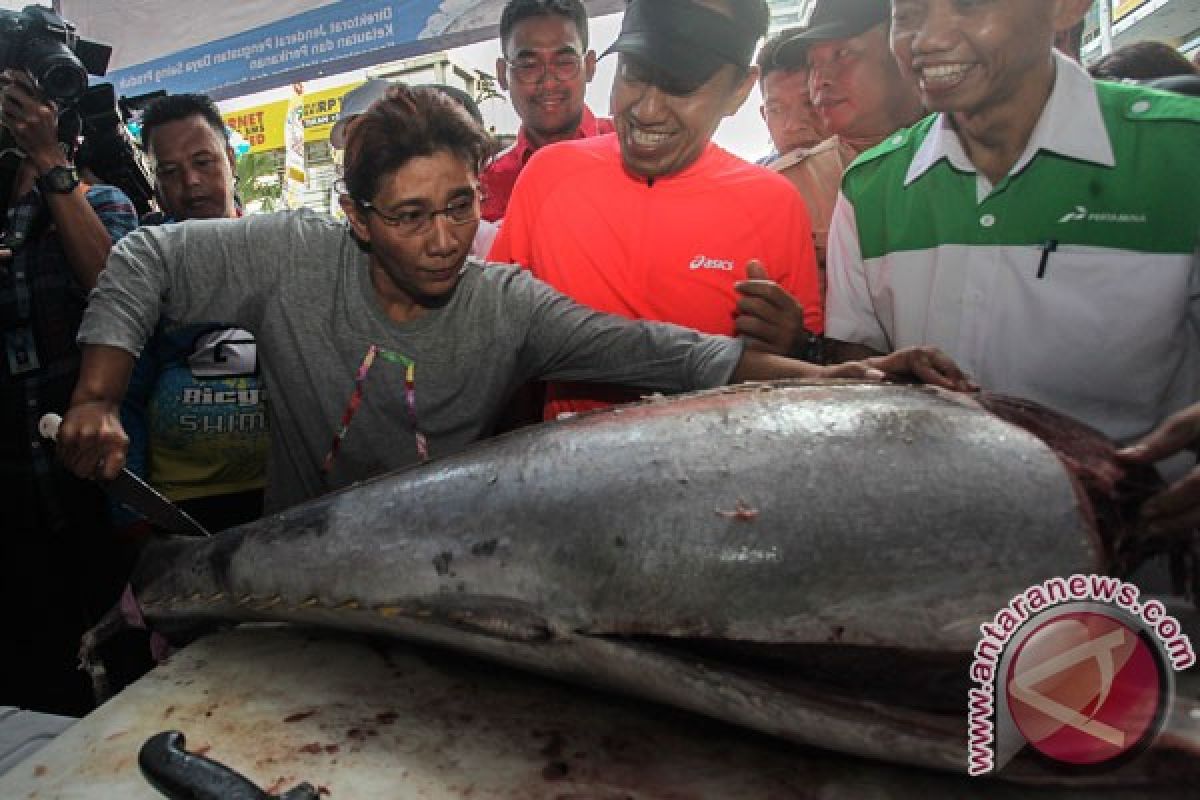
[108, 149]
[46, 46]
[59, 61]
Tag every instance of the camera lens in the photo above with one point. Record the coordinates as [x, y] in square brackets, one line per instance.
[63, 82]
[55, 69]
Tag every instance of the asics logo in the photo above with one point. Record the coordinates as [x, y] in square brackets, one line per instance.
[703, 262]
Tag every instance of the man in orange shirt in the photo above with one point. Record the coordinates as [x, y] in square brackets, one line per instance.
[545, 69]
[657, 222]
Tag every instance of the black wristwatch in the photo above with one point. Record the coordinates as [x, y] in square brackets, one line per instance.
[810, 348]
[60, 180]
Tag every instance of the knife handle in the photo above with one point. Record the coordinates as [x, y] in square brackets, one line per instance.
[48, 426]
[181, 775]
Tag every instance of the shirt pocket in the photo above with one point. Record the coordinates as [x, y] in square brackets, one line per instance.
[1096, 326]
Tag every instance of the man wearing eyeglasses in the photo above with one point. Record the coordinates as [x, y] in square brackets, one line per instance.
[658, 222]
[196, 409]
[545, 69]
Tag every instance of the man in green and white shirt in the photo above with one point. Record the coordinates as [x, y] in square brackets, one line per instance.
[1042, 229]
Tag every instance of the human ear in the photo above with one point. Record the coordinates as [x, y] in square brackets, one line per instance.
[502, 73]
[356, 218]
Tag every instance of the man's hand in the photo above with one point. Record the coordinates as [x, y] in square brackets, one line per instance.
[91, 441]
[1176, 508]
[32, 120]
[768, 318]
[926, 364]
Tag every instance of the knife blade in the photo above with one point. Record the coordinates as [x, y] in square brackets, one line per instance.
[135, 493]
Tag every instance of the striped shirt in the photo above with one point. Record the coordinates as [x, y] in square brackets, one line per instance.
[41, 305]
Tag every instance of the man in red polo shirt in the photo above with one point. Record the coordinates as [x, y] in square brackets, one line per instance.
[657, 222]
[545, 69]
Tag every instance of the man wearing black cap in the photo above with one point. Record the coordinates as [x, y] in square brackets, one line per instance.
[858, 92]
[657, 222]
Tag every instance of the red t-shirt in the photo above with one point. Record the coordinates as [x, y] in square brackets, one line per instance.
[499, 176]
[669, 250]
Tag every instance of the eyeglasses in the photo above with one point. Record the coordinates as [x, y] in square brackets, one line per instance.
[414, 222]
[563, 67]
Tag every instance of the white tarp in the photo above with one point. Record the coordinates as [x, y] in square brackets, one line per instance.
[143, 30]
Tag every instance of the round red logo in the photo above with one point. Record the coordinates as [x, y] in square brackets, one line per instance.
[1085, 688]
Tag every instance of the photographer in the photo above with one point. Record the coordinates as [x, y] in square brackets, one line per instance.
[56, 539]
[78, 213]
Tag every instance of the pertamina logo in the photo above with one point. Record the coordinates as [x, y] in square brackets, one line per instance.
[703, 262]
[1082, 214]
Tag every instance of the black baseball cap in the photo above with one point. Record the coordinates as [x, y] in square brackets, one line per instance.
[833, 19]
[688, 42]
[1180, 84]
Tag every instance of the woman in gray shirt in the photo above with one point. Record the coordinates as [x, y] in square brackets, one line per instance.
[382, 343]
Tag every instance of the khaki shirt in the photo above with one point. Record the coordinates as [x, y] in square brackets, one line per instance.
[817, 175]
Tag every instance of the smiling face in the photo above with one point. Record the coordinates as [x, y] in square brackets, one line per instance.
[976, 56]
[193, 169]
[857, 88]
[662, 134]
[410, 271]
[550, 107]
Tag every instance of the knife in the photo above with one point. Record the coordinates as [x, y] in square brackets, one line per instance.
[135, 493]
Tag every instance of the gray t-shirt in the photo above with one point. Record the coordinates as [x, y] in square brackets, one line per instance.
[301, 285]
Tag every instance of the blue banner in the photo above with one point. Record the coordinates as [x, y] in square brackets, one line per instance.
[350, 32]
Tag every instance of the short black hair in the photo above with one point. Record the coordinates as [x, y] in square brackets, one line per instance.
[408, 123]
[175, 107]
[768, 60]
[518, 10]
[1142, 61]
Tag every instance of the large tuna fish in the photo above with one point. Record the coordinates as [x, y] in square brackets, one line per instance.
[810, 560]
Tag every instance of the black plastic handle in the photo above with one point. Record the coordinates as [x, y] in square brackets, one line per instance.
[180, 775]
